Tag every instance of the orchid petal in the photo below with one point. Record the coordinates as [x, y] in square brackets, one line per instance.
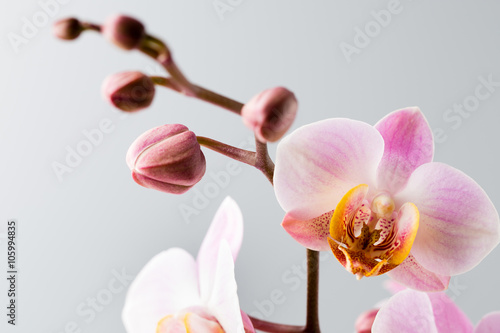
[223, 302]
[407, 227]
[347, 207]
[227, 225]
[408, 311]
[247, 323]
[447, 316]
[318, 163]
[411, 274]
[408, 144]
[489, 323]
[167, 284]
[313, 233]
[459, 225]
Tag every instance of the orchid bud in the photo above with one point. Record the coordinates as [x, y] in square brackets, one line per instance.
[68, 28]
[125, 32]
[270, 113]
[129, 91]
[365, 321]
[167, 158]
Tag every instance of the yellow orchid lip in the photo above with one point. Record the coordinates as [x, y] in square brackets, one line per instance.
[370, 239]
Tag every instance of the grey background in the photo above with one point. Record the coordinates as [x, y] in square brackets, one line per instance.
[73, 234]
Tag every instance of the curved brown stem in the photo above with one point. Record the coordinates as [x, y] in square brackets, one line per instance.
[269, 327]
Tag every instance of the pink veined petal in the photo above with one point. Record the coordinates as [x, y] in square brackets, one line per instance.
[408, 311]
[411, 274]
[313, 233]
[459, 225]
[167, 284]
[227, 225]
[318, 163]
[489, 323]
[447, 316]
[408, 144]
[223, 303]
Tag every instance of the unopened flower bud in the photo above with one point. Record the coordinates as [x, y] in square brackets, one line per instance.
[270, 113]
[125, 32]
[68, 28]
[129, 91]
[365, 321]
[167, 158]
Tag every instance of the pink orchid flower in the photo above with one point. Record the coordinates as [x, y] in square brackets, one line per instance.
[176, 294]
[410, 311]
[374, 197]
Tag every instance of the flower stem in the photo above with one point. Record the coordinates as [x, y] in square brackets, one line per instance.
[242, 155]
[202, 94]
[263, 161]
[260, 159]
[312, 318]
[267, 326]
[312, 322]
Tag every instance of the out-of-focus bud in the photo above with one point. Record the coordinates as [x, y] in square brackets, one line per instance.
[68, 28]
[129, 91]
[189, 321]
[124, 31]
[365, 321]
[167, 158]
[270, 113]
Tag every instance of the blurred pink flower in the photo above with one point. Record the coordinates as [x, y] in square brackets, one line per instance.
[175, 293]
[374, 197]
[410, 311]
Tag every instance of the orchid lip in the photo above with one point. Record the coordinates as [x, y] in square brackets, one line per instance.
[370, 239]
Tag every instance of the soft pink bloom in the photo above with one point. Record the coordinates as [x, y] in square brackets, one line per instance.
[410, 311]
[177, 294]
[374, 197]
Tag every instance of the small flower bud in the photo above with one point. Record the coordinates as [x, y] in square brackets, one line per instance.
[270, 113]
[68, 28]
[365, 321]
[129, 91]
[167, 158]
[125, 32]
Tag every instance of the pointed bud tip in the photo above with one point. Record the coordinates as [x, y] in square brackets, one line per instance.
[68, 28]
[124, 31]
[129, 91]
[167, 158]
[271, 113]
